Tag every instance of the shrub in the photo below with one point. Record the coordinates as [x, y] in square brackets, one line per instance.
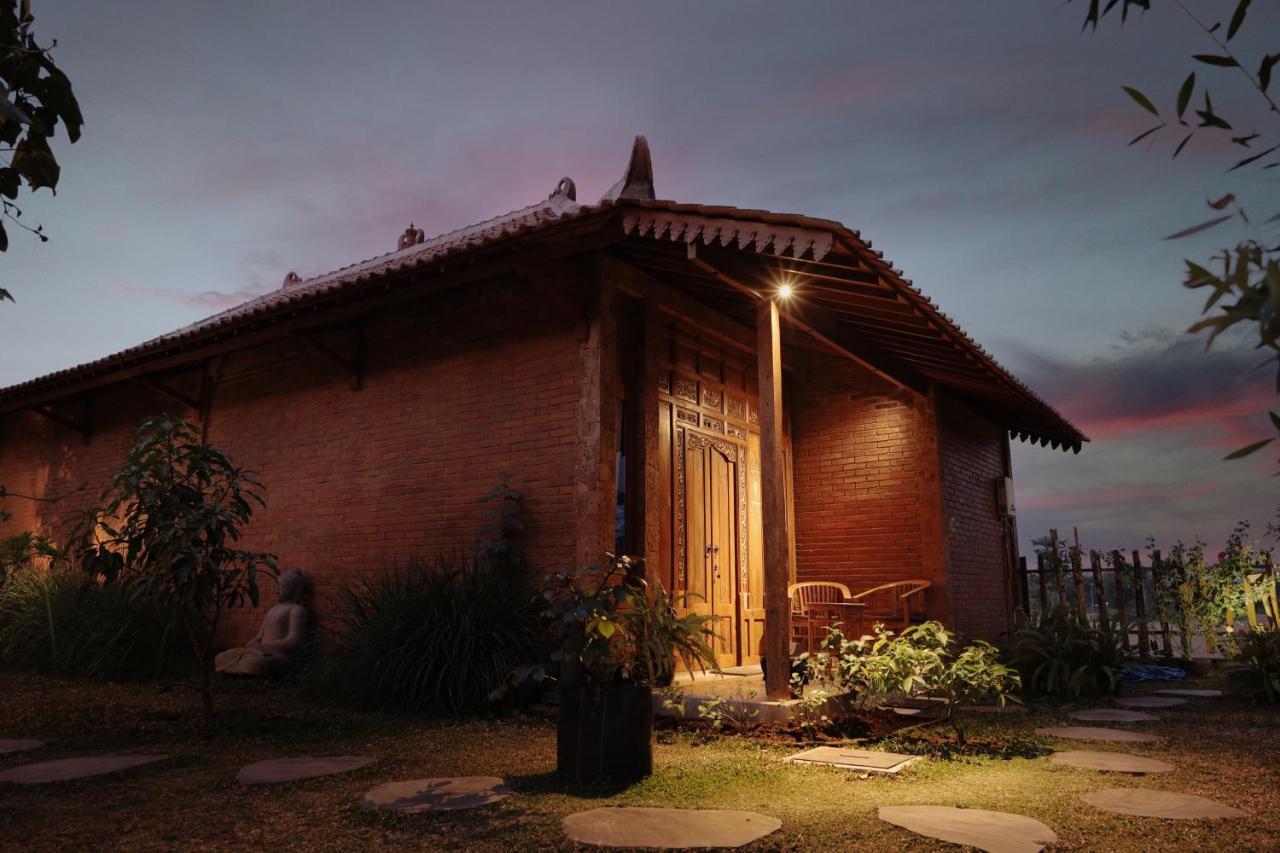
[922, 661]
[1061, 655]
[1256, 668]
[434, 637]
[55, 622]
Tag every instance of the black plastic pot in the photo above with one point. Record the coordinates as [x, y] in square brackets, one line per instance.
[605, 733]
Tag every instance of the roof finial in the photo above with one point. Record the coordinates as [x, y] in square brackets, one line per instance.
[565, 189]
[411, 237]
[638, 181]
[291, 279]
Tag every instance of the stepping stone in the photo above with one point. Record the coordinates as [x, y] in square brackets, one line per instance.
[1166, 804]
[1112, 715]
[668, 828]
[278, 770]
[21, 744]
[1097, 733]
[66, 769]
[996, 832]
[1111, 762]
[862, 760]
[437, 795]
[1149, 701]
[1193, 693]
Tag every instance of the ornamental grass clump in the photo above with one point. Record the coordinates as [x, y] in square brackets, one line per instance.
[435, 637]
[55, 621]
[442, 635]
[1061, 654]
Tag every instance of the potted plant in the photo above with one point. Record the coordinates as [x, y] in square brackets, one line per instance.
[618, 636]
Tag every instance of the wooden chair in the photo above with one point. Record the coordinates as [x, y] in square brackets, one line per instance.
[815, 605]
[891, 603]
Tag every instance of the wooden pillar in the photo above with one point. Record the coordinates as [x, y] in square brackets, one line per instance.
[594, 485]
[777, 571]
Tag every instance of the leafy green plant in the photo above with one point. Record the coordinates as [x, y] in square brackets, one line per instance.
[922, 661]
[1209, 596]
[54, 621]
[611, 627]
[1060, 655]
[167, 530]
[809, 714]
[1256, 668]
[657, 636]
[435, 637]
[674, 700]
[733, 713]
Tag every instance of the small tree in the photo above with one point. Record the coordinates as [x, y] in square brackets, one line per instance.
[168, 527]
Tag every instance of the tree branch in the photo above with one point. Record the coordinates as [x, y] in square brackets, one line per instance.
[1227, 51]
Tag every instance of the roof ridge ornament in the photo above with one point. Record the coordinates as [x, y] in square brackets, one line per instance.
[638, 181]
[411, 237]
[565, 189]
[291, 279]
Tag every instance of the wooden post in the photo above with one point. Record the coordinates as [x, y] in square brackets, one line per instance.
[1024, 587]
[1077, 576]
[1099, 588]
[1157, 579]
[1043, 591]
[1057, 567]
[1117, 569]
[1140, 606]
[777, 571]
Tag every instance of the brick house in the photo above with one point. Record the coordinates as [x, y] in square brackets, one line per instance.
[743, 397]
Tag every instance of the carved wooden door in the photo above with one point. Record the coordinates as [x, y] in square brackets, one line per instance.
[711, 500]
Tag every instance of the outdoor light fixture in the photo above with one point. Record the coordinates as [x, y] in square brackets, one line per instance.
[785, 289]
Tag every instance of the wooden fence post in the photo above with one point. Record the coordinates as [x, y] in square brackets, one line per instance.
[1157, 580]
[1099, 588]
[1117, 570]
[1044, 593]
[1077, 574]
[1140, 606]
[1057, 567]
[1024, 587]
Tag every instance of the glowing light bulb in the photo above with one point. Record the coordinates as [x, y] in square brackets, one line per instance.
[784, 291]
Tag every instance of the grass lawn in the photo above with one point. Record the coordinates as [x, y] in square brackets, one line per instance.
[1223, 749]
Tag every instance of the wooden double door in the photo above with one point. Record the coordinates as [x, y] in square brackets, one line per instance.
[711, 481]
[713, 535]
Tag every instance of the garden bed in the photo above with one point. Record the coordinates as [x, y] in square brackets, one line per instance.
[1226, 750]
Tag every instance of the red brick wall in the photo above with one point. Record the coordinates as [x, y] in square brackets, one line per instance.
[457, 389]
[972, 451]
[861, 453]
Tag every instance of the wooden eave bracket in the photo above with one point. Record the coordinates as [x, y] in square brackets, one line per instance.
[82, 425]
[354, 364]
[170, 392]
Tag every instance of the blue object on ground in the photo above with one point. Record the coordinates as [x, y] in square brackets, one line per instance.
[1151, 672]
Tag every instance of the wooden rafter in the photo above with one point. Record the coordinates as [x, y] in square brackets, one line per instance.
[819, 327]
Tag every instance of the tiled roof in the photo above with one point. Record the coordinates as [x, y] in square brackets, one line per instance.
[755, 231]
[556, 208]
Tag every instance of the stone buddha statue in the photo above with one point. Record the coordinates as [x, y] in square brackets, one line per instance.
[281, 636]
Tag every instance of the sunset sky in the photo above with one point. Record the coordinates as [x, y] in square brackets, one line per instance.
[980, 145]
